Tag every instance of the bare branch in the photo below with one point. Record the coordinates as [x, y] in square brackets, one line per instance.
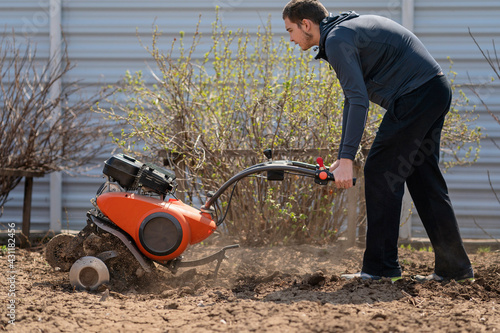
[485, 232]
[40, 133]
[487, 57]
[491, 186]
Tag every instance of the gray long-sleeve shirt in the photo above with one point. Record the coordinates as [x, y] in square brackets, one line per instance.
[376, 60]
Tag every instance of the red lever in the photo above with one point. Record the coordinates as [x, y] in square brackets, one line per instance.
[319, 160]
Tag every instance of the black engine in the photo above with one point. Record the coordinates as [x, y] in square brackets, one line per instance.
[132, 175]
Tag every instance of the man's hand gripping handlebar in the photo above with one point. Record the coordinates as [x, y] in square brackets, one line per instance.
[323, 175]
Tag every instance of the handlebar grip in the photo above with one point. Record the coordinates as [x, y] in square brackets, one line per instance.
[333, 179]
[323, 176]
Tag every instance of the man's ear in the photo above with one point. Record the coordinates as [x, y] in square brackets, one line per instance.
[306, 24]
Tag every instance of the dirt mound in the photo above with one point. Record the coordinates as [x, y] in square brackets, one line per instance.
[276, 289]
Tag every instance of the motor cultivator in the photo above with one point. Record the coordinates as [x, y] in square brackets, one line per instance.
[137, 223]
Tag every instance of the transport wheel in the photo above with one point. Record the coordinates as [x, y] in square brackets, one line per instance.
[56, 252]
[88, 273]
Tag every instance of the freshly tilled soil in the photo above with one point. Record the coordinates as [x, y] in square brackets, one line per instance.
[274, 289]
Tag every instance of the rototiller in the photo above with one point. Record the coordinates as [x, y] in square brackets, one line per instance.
[137, 222]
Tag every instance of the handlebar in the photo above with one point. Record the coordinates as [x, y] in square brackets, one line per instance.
[320, 173]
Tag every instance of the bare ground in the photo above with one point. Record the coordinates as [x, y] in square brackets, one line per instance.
[275, 289]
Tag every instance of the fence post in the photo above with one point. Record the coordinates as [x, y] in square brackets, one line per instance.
[55, 52]
[28, 192]
[180, 174]
[405, 222]
[352, 215]
[408, 14]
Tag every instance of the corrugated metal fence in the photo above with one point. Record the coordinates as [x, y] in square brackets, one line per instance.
[103, 41]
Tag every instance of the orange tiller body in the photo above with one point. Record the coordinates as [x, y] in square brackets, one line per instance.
[128, 211]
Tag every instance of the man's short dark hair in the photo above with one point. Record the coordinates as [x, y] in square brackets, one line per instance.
[297, 10]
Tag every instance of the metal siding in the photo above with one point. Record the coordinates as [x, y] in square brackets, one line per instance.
[102, 39]
[443, 27]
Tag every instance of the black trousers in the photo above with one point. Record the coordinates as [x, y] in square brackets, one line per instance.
[406, 149]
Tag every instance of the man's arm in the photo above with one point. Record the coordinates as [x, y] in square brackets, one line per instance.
[352, 130]
[344, 58]
[344, 124]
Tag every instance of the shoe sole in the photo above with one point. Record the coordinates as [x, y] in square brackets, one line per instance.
[423, 280]
[373, 278]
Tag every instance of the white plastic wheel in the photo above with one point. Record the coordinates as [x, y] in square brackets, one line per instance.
[88, 273]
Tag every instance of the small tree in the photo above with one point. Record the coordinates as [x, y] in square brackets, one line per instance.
[38, 132]
[246, 92]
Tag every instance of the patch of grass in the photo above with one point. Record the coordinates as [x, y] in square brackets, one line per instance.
[407, 247]
[426, 249]
[413, 249]
[484, 249]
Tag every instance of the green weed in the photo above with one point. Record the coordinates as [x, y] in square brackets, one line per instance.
[484, 249]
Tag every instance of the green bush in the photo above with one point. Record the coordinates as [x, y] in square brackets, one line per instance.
[248, 92]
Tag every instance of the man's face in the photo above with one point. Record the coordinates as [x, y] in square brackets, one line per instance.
[298, 35]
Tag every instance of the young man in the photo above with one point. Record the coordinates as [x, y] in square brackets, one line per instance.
[378, 60]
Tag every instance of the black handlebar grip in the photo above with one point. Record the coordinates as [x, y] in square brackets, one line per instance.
[323, 176]
[353, 180]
